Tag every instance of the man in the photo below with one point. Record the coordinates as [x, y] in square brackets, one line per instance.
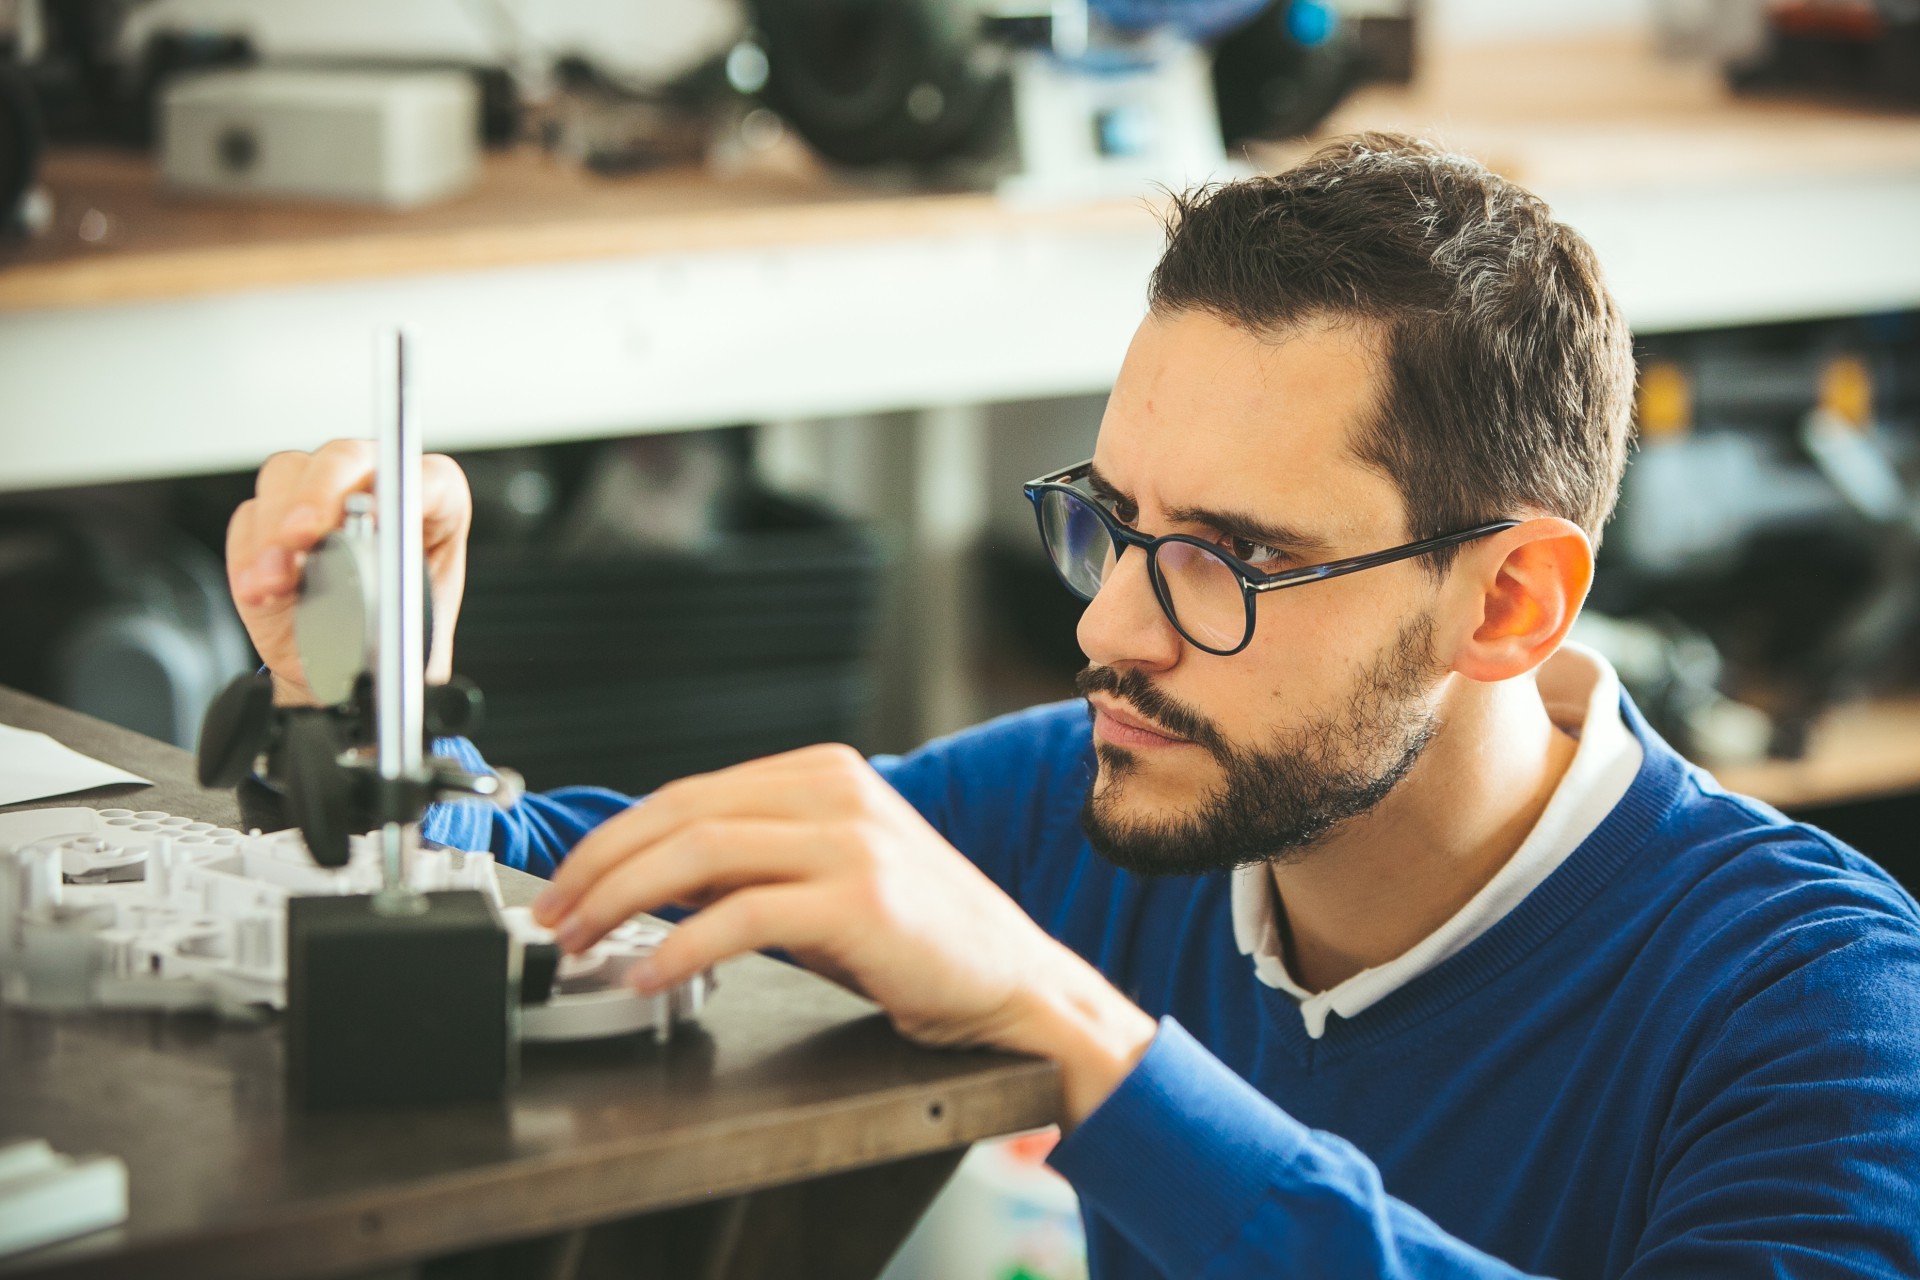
[1372, 930]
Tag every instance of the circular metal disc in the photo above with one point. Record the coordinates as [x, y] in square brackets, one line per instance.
[333, 623]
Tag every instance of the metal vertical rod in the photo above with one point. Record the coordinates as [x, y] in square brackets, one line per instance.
[399, 688]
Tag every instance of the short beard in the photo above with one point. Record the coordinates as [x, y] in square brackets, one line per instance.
[1275, 803]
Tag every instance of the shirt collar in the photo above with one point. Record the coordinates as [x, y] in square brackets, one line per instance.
[1581, 693]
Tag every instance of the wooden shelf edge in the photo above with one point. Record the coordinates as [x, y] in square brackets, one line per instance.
[155, 275]
[1862, 750]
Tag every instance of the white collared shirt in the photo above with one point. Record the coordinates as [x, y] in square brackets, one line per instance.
[1582, 697]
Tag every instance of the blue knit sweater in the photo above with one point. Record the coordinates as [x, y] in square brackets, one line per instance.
[1693, 1051]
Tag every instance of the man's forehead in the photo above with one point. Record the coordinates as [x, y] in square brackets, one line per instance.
[1205, 414]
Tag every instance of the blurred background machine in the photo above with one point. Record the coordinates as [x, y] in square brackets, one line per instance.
[1860, 50]
[1771, 514]
[1061, 97]
[113, 611]
[394, 138]
[20, 142]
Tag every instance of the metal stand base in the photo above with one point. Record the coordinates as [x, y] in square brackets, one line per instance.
[395, 1009]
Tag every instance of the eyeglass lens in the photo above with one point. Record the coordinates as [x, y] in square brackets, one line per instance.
[1203, 592]
[1078, 541]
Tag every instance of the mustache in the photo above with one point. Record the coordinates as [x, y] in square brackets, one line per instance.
[1133, 687]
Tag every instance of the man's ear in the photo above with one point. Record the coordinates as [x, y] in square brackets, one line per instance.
[1527, 584]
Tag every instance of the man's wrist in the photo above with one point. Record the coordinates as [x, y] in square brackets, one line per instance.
[1089, 1030]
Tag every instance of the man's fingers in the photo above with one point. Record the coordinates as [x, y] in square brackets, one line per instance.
[279, 473]
[783, 915]
[241, 536]
[302, 497]
[785, 786]
[299, 507]
[446, 499]
[695, 864]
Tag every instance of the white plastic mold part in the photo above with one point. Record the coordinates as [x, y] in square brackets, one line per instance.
[591, 999]
[148, 909]
[127, 909]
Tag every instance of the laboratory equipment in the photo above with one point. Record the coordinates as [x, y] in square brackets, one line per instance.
[1062, 98]
[395, 137]
[401, 978]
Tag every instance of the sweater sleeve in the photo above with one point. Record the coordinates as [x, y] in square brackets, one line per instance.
[1208, 1178]
[535, 834]
[1793, 1145]
[1789, 1148]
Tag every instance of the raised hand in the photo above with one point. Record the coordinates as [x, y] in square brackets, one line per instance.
[298, 499]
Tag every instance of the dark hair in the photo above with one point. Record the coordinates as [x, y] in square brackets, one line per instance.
[1508, 367]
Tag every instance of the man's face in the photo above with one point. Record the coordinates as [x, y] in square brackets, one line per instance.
[1207, 762]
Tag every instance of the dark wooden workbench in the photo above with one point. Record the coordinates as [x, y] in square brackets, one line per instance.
[792, 1133]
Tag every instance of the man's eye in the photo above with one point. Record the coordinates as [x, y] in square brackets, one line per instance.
[1262, 557]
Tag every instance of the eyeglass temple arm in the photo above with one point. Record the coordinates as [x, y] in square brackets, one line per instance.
[1339, 568]
[1076, 471]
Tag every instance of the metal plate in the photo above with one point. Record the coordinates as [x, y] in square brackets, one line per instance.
[333, 623]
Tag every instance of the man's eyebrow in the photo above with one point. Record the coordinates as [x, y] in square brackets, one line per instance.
[1105, 490]
[1266, 533]
[1281, 537]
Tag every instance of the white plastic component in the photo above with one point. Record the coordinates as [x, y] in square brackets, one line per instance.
[46, 1196]
[591, 998]
[396, 138]
[110, 908]
[153, 910]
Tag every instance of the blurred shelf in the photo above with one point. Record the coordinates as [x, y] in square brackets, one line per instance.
[1610, 112]
[525, 209]
[1858, 751]
[1707, 209]
[199, 336]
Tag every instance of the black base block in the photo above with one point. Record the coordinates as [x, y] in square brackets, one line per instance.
[388, 1009]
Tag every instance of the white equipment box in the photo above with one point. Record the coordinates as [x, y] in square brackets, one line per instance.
[397, 138]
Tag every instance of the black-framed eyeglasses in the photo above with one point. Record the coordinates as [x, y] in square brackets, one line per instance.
[1206, 593]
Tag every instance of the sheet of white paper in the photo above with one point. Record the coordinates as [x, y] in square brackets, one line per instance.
[34, 766]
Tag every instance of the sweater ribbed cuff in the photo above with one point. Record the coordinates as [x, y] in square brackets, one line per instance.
[460, 824]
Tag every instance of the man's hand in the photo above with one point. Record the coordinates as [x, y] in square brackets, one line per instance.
[812, 852]
[299, 498]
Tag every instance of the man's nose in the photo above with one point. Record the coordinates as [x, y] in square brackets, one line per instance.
[1123, 624]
